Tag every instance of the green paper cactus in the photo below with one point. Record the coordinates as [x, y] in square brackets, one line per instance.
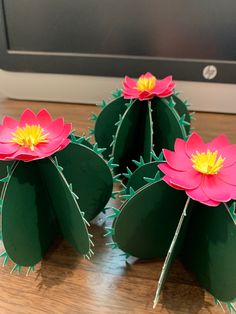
[132, 127]
[49, 196]
[146, 224]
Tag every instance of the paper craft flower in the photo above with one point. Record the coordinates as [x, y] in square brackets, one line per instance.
[33, 136]
[207, 172]
[66, 184]
[151, 119]
[147, 87]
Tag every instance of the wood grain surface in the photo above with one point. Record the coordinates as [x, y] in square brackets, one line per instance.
[65, 283]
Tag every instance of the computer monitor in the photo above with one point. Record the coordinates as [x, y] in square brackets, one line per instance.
[86, 43]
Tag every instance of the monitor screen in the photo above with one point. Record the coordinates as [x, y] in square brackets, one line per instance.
[111, 38]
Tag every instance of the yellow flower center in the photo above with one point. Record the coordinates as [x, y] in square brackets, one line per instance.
[144, 83]
[29, 136]
[208, 162]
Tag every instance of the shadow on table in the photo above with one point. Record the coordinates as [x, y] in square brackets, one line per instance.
[182, 293]
[58, 265]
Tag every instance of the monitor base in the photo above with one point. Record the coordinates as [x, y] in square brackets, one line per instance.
[212, 97]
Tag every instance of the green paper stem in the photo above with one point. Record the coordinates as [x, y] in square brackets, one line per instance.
[168, 259]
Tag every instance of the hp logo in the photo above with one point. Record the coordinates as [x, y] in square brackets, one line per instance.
[209, 72]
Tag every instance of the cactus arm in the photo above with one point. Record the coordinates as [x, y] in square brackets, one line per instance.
[133, 136]
[70, 218]
[141, 227]
[90, 176]
[106, 123]
[136, 180]
[182, 109]
[209, 250]
[167, 124]
[28, 225]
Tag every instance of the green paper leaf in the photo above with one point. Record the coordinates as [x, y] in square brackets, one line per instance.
[28, 223]
[141, 227]
[69, 217]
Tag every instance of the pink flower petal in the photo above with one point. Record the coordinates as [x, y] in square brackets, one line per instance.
[198, 195]
[130, 82]
[179, 161]
[10, 122]
[215, 189]
[168, 181]
[218, 143]
[184, 179]
[44, 118]
[229, 153]
[228, 174]
[132, 95]
[28, 117]
[179, 145]
[51, 146]
[147, 75]
[194, 143]
[145, 95]
[166, 93]
[187, 180]
[162, 85]
[65, 143]
[55, 128]
[8, 148]
[5, 134]
[25, 151]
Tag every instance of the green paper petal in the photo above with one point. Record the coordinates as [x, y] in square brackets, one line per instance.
[106, 126]
[181, 109]
[166, 125]
[133, 136]
[90, 176]
[210, 250]
[28, 224]
[67, 211]
[147, 222]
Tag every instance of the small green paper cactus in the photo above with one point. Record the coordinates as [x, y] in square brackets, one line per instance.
[145, 226]
[58, 193]
[133, 125]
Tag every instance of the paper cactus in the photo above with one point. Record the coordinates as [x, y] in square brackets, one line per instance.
[146, 115]
[52, 182]
[186, 212]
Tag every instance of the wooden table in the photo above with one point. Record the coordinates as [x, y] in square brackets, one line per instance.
[65, 283]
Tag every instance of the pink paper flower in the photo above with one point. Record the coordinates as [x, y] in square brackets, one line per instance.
[207, 172]
[147, 87]
[33, 136]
